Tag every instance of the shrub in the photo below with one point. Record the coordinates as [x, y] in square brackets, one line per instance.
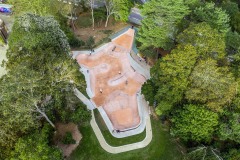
[68, 139]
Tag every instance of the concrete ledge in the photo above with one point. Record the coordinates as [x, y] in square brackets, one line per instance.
[138, 68]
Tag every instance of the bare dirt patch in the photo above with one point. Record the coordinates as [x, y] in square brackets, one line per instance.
[61, 131]
[100, 32]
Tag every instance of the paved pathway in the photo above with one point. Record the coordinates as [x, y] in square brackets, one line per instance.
[84, 99]
[123, 148]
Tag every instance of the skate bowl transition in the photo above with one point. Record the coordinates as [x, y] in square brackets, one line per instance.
[113, 84]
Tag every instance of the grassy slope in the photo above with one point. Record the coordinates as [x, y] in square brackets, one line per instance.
[116, 141]
[161, 147]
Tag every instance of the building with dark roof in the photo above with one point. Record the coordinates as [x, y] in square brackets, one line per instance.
[135, 17]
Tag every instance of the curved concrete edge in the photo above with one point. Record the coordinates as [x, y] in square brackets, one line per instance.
[138, 68]
[143, 113]
[86, 74]
[124, 148]
[76, 53]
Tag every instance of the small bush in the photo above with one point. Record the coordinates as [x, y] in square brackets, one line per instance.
[84, 21]
[108, 32]
[68, 139]
[75, 42]
[90, 42]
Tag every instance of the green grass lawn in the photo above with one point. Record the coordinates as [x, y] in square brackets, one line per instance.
[161, 147]
[112, 140]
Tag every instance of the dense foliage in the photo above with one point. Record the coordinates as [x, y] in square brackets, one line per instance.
[196, 85]
[159, 25]
[39, 85]
[194, 123]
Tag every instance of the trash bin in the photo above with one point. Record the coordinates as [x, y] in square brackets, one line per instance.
[3, 31]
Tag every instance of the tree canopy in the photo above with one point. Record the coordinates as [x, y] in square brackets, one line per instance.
[170, 76]
[208, 41]
[40, 7]
[211, 85]
[159, 26]
[40, 78]
[230, 128]
[195, 123]
[36, 147]
[122, 9]
[216, 17]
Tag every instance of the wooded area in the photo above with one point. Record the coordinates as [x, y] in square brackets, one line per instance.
[194, 89]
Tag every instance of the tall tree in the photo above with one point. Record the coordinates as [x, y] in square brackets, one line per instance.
[215, 86]
[194, 123]
[122, 9]
[207, 41]
[170, 77]
[158, 27]
[216, 17]
[18, 116]
[203, 153]
[91, 4]
[111, 9]
[39, 70]
[34, 36]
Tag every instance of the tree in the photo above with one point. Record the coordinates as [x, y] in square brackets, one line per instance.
[17, 118]
[235, 22]
[110, 7]
[230, 127]
[211, 85]
[207, 41]
[90, 42]
[159, 24]
[230, 7]
[39, 70]
[170, 77]
[149, 91]
[36, 147]
[122, 9]
[203, 153]
[233, 11]
[232, 42]
[233, 154]
[216, 17]
[194, 123]
[34, 36]
[91, 4]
